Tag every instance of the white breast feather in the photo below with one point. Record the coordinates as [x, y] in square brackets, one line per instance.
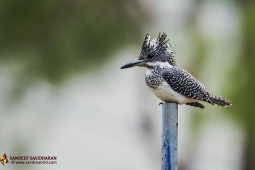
[167, 94]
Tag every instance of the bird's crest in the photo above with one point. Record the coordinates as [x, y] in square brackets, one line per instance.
[157, 46]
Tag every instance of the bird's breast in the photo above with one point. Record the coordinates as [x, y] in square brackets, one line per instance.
[162, 90]
[153, 79]
[167, 94]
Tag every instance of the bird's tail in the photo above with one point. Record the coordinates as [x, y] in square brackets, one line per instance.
[220, 101]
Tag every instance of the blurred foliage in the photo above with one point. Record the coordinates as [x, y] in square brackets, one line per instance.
[52, 39]
[242, 78]
[240, 81]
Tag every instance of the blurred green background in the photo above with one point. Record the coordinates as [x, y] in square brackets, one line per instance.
[62, 93]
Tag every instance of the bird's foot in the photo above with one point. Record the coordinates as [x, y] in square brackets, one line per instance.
[166, 102]
[160, 103]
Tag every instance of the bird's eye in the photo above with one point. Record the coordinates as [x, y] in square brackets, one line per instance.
[150, 56]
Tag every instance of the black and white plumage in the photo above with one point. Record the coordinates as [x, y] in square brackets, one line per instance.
[167, 81]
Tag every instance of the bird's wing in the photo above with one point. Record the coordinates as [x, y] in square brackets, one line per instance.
[184, 83]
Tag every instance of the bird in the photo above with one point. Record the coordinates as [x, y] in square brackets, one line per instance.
[170, 83]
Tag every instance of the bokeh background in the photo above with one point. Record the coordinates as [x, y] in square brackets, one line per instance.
[63, 94]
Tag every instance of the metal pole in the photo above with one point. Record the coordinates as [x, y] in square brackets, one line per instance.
[169, 150]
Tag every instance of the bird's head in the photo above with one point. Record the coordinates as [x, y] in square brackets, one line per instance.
[154, 51]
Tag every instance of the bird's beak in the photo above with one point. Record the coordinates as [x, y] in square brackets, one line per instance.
[133, 63]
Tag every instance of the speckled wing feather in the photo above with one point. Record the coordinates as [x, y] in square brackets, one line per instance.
[184, 83]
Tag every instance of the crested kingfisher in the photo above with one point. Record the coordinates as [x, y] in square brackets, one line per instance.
[168, 82]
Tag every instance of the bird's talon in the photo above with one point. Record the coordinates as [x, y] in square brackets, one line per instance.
[160, 103]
